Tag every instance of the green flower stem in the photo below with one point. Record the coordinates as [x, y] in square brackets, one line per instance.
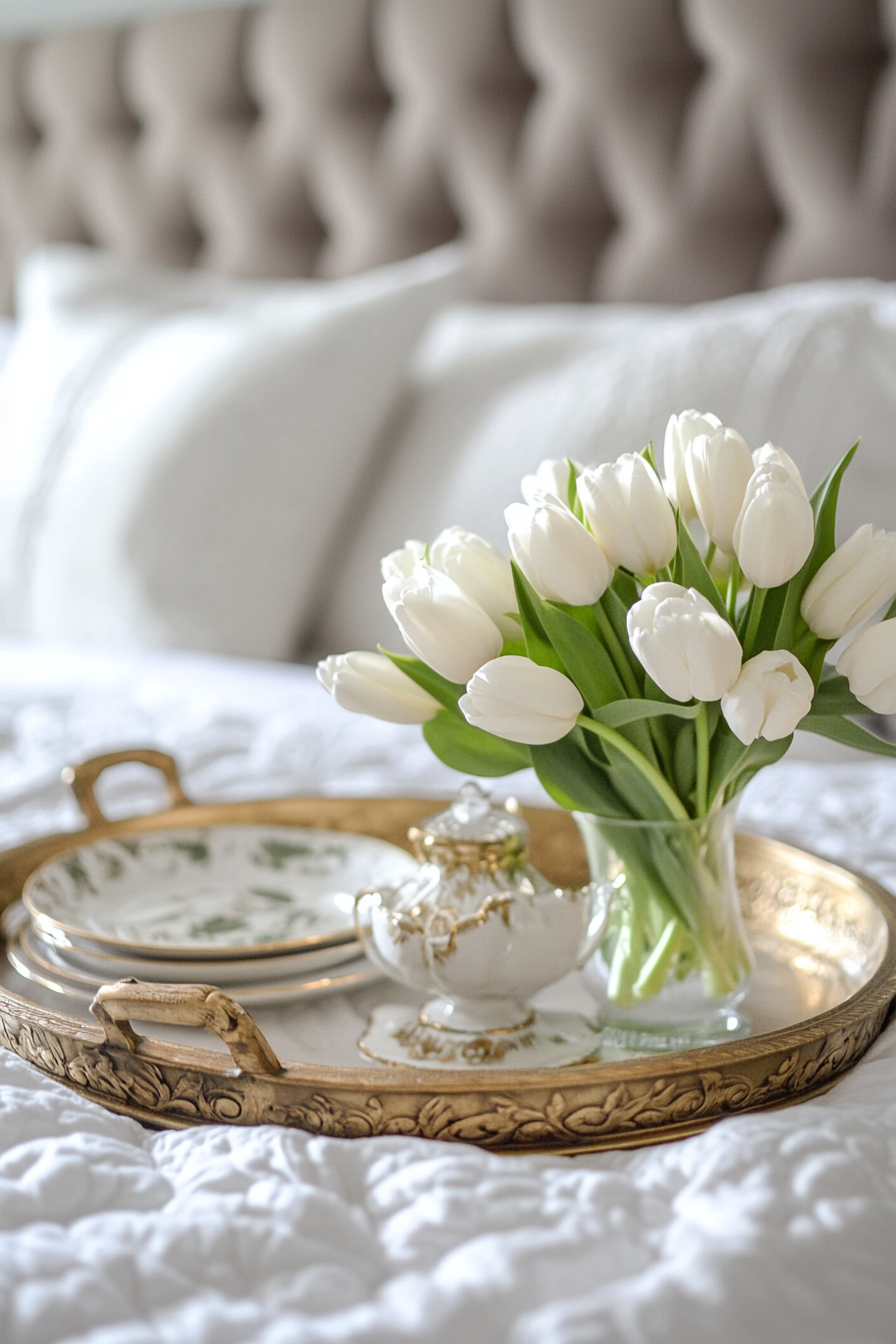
[627, 677]
[650, 772]
[671, 914]
[653, 972]
[616, 652]
[759, 595]
[710, 554]
[733, 588]
[701, 728]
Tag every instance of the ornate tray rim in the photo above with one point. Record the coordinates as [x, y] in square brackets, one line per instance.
[587, 1108]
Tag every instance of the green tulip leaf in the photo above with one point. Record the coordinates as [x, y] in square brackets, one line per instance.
[628, 711]
[770, 620]
[472, 750]
[650, 457]
[574, 780]
[572, 493]
[734, 764]
[625, 588]
[847, 732]
[684, 763]
[759, 754]
[538, 644]
[584, 657]
[446, 692]
[636, 792]
[616, 611]
[824, 504]
[834, 697]
[689, 570]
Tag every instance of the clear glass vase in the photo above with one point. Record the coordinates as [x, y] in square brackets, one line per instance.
[674, 962]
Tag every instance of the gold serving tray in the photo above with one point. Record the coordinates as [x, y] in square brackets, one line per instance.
[827, 935]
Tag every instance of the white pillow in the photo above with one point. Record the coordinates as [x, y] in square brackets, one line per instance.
[495, 390]
[176, 448]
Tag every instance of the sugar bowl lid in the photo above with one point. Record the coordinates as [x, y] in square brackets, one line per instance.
[471, 821]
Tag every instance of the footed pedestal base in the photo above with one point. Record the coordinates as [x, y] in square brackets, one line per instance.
[649, 1038]
[398, 1035]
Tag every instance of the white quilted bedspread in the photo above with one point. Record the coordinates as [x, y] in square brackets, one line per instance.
[771, 1229]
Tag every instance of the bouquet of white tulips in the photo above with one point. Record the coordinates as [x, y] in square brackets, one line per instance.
[650, 645]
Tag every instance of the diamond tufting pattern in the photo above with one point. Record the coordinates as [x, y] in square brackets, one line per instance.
[646, 150]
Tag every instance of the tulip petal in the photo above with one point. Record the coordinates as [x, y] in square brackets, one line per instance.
[514, 698]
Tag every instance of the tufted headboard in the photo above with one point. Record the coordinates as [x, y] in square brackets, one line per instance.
[613, 149]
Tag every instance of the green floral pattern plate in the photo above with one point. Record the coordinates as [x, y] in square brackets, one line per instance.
[211, 892]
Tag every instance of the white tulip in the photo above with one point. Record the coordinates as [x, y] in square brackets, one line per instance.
[681, 431]
[769, 453]
[440, 624]
[403, 561]
[481, 572]
[718, 466]
[852, 584]
[370, 683]
[775, 529]
[558, 556]
[869, 665]
[521, 701]
[773, 692]
[683, 643]
[629, 514]
[551, 478]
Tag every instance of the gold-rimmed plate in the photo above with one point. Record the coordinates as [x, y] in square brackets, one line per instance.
[210, 893]
[36, 962]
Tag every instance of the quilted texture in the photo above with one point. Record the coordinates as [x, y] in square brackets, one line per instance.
[651, 150]
[767, 1228]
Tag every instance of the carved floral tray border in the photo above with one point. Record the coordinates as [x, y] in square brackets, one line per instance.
[587, 1108]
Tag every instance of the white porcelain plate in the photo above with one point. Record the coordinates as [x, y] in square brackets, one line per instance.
[111, 966]
[36, 961]
[217, 892]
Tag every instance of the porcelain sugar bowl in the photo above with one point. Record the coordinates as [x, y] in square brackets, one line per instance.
[481, 929]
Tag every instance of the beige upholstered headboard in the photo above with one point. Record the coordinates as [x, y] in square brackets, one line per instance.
[614, 149]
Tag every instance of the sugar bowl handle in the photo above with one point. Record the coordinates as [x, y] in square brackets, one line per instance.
[185, 1006]
[82, 778]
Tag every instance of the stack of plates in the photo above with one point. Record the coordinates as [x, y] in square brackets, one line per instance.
[264, 912]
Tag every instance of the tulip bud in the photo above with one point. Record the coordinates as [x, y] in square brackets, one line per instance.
[769, 453]
[481, 572]
[558, 556]
[869, 665]
[773, 692]
[551, 478]
[369, 683]
[402, 561]
[521, 701]
[683, 643]
[775, 529]
[681, 431]
[852, 584]
[440, 624]
[718, 466]
[628, 513]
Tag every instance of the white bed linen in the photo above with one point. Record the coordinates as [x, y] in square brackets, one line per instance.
[767, 1228]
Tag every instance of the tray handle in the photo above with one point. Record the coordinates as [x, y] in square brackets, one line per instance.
[82, 778]
[184, 1006]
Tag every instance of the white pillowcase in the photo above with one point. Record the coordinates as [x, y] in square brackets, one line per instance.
[177, 448]
[494, 390]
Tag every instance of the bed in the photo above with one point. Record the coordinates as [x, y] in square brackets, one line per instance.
[483, 229]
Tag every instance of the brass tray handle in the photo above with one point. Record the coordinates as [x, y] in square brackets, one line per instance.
[185, 1006]
[82, 778]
